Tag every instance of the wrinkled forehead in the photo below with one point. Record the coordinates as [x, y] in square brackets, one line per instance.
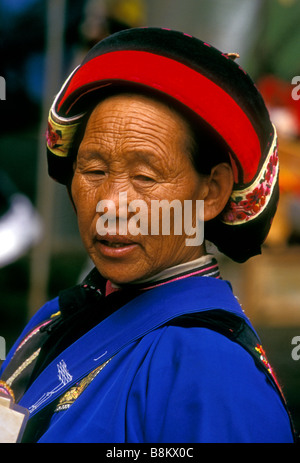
[139, 128]
[139, 112]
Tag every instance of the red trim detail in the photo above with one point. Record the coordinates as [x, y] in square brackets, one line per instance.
[189, 87]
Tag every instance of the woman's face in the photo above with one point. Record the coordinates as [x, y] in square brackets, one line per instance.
[138, 147]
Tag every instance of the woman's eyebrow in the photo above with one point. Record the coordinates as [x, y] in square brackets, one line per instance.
[89, 153]
[140, 154]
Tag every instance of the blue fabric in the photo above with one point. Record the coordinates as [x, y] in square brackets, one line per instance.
[176, 385]
[169, 384]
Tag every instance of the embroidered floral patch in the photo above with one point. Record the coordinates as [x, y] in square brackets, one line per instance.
[53, 137]
[59, 137]
[246, 204]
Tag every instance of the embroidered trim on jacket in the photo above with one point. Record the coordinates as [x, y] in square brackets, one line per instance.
[74, 392]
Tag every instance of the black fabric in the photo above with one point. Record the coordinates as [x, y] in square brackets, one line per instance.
[60, 170]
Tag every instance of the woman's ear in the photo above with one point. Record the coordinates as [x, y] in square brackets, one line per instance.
[219, 188]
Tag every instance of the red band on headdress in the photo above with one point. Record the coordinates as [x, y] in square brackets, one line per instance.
[194, 90]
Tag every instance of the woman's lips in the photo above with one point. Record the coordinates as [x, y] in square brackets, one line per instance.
[115, 246]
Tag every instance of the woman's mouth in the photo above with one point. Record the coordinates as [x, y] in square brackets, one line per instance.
[112, 244]
[115, 246]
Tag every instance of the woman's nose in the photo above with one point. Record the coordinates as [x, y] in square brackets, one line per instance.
[114, 205]
[117, 192]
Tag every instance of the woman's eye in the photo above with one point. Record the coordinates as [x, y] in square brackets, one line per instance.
[144, 178]
[96, 172]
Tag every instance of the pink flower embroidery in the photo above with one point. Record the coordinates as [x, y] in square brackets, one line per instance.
[254, 196]
[247, 205]
[52, 136]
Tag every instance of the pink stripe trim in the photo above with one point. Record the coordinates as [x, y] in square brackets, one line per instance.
[183, 276]
[32, 333]
[110, 289]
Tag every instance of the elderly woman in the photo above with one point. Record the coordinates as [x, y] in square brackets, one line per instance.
[153, 346]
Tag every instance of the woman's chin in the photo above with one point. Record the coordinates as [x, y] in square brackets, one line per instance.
[120, 273]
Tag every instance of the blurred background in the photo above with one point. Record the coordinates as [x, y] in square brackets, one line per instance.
[41, 41]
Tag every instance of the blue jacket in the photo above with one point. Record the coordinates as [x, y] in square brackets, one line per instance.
[138, 378]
